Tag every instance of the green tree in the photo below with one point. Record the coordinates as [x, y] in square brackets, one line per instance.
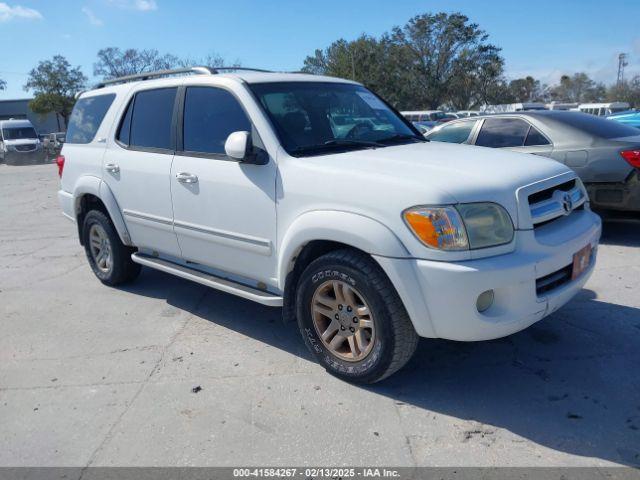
[477, 78]
[434, 59]
[433, 50]
[528, 89]
[628, 91]
[364, 60]
[578, 88]
[55, 84]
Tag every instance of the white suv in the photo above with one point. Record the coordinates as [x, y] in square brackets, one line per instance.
[313, 194]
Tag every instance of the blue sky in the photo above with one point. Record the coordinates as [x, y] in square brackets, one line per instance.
[542, 38]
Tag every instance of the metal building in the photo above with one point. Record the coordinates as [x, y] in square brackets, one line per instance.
[19, 109]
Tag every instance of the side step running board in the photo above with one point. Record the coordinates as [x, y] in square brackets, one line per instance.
[228, 286]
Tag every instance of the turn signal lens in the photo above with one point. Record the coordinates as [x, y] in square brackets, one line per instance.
[437, 227]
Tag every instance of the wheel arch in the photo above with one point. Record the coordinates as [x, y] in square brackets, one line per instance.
[316, 233]
[337, 228]
[92, 193]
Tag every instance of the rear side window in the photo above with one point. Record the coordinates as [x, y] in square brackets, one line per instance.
[87, 116]
[453, 133]
[535, 138]
[210, 116]
[147, 123]
[502, 132]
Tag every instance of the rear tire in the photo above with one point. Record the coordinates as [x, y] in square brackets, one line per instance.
[108, 257]
[352, 319]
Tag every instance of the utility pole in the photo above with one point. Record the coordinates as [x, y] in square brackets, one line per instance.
[622, 62]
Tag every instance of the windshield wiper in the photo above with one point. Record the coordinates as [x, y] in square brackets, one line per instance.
[336, 143]
[345, 141]
[400, 137]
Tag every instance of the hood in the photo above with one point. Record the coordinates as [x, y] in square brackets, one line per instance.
[460, 173]
[432, 173]
[22, 141]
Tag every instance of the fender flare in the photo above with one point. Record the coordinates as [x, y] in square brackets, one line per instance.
[352, 229]
[368, 235]
[88, 184]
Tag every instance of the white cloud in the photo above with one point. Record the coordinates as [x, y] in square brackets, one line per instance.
[145, 5]
[140, 5]
[93, 20]
[8, 13]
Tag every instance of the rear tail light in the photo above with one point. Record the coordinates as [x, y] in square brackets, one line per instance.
[60, 163]
[632, 157]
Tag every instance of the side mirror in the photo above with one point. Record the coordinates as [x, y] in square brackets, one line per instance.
[240, 147]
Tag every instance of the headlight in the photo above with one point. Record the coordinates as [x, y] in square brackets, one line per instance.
[488, 224]
[463, 227]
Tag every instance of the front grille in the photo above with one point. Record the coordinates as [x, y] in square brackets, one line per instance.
[554, 280]
[555, 202]
[548, 193]
[25, 148]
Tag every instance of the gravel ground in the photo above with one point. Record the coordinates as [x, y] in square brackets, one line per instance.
[91, 375]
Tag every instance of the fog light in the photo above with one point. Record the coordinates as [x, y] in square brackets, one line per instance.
[485, 300]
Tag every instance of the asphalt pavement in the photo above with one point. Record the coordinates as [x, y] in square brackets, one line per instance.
[167, 372]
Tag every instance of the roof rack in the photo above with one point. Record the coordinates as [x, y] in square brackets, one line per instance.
[163, 73]
[159, 73]
[245, 69]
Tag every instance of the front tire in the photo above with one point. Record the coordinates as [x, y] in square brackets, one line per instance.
[352, 319]
[108, 257]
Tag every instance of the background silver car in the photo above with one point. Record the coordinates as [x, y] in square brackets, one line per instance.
[605, 154]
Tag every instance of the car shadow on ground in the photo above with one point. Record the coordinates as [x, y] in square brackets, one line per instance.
[621, 230]
[569, 383]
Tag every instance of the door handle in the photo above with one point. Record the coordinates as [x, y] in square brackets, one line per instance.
[112, 168]
[185, 177]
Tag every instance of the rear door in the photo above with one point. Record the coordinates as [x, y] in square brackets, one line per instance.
[515, 134]
[137, 167]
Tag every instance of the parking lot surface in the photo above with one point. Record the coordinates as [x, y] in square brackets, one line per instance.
[167, 372]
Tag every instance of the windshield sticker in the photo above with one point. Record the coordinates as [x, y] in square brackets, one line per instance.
[373, 101]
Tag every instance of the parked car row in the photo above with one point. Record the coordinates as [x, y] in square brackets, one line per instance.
[425, 120]
[605, 154]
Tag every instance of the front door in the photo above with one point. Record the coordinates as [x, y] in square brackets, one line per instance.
[137, 168]
[224, 210]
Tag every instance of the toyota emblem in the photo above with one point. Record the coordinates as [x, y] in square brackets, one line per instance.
[567, 203]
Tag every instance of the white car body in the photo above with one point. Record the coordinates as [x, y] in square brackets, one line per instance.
[19, 150]
[603, 109]
[249, 223]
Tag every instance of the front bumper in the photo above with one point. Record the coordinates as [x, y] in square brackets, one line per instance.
[67, 204]
[441, 296]
[33, 157]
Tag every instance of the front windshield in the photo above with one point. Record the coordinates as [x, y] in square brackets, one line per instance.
[313, 118]
[19, 133]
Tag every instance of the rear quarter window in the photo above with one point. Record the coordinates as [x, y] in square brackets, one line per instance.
[87, 116]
